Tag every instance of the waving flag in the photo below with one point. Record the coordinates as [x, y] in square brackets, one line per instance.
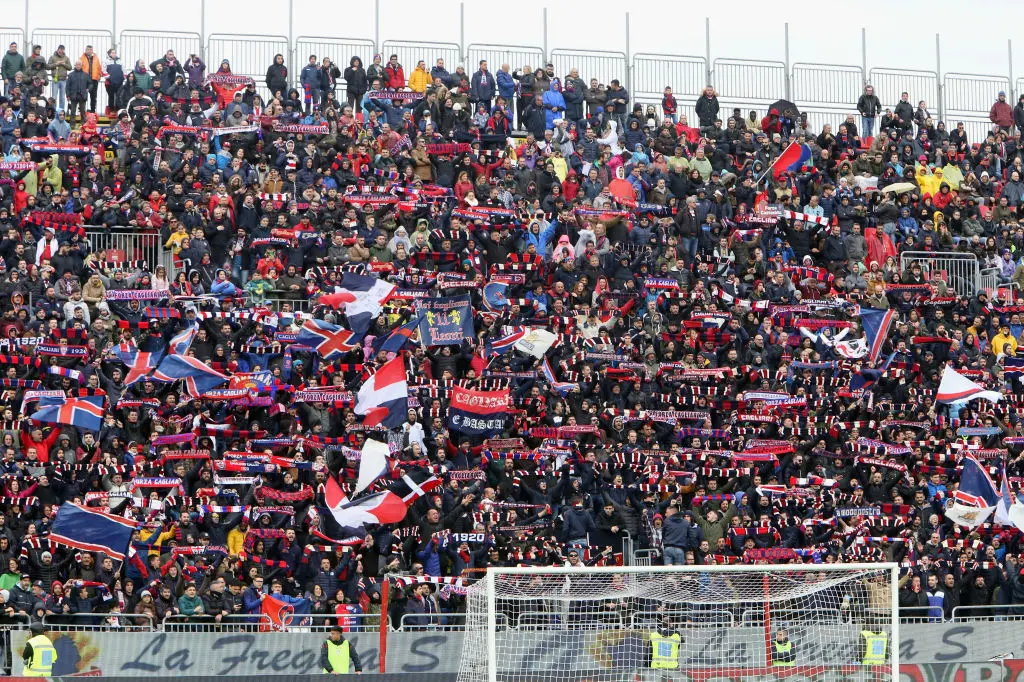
[362, 297]
[82, 413]
[504, 344]
[977, 497]
[955, 387]
[876, 325]
[384, 397]
[397, 340]
[92, 531]
[792, 158]
[415, 485]
[330, 340]
[197, 375]
[372, 465]
[495, 296]
[180, 342]
[1010, 508]
[139, 364]
[385, 507]
[536, 342]
[563, 388]
[276, 611]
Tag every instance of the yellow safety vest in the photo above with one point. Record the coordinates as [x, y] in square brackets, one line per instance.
[782, 648]
[665, 650]
[337, 654]
[875, 646]
[43, 657]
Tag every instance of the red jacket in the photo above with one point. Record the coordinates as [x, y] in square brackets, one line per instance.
[1001, 114]
[395, 75]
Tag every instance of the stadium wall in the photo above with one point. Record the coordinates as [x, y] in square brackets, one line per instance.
[158, 654]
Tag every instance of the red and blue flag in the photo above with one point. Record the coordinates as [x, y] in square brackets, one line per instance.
[84, 413]
[397, 340]
[329, 340]
[139, 363]
[792, 158]
[197, 375]
[91, 530]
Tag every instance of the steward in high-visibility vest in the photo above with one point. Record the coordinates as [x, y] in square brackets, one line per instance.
[783, 651]
[39, 654]
[665, 648]
[336, 654]
[874, 647]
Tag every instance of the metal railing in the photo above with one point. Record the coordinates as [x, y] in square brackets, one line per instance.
[516, 56]
[564, 620]
[960, 271]
[778, 615]
[748, 83]
[411, 51]
[432, 621]
[352, 622]
[251, 56]
[709, 617]
[994, 612]
[339, 50]
[120, 244]
[968, 97]
[599, 64]
[231, 622]
[826, 89]
[71, 622]
[152, 45]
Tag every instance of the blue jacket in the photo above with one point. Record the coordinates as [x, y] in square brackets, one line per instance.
[676, 532]
[577, 524]
[310, 76]
[506, 84]
[554, 103]
[481, 87]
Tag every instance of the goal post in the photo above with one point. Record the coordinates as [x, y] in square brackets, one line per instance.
[686, 623]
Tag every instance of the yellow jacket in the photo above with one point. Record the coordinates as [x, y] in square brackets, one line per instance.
[147, 536]
[52, 175]
[998, 341]
[235, 539]
[420, 80]
[561, 168]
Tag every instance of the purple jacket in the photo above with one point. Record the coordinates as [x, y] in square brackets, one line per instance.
[196, 71]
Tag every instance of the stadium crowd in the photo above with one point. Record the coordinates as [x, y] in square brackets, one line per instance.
[709, 391]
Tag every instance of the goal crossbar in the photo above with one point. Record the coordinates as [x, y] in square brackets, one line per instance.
[773, 573]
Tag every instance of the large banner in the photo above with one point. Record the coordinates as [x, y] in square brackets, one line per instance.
[445, 321]
[159, 654]
[478, 413]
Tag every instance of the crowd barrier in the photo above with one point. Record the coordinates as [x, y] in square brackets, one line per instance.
[960, 271]
[827, 92]
[113, 653]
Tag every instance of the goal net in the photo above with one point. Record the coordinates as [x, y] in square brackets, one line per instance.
[824, 622]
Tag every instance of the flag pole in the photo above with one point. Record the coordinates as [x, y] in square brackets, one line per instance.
[769, 169]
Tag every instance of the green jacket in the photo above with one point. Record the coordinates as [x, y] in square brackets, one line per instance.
[11, 64]
[188, 605]
[9, 580]
[718, 529]
[59, 66]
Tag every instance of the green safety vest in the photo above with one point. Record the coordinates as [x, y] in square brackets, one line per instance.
[782, 648]
[43, 657]
[875, 645]
[337, 654]
[665, 650]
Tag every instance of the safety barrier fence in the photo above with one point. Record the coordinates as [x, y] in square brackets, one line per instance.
[826, 92]
[960, 271]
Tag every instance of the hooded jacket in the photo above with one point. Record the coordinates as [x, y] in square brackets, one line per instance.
[554, 103]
